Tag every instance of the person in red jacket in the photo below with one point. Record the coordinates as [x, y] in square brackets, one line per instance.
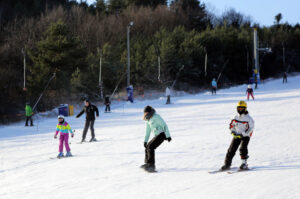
[249, 92]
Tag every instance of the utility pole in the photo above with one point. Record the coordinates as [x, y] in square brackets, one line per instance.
[128, 52]
[24, 62]
[100, 73]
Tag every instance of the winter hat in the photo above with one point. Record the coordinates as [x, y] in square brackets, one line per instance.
[60, 117]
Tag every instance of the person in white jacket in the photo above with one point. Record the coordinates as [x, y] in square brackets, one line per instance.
[241, 128]
[168, 95]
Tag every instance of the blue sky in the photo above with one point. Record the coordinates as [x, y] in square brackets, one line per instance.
[261, 11]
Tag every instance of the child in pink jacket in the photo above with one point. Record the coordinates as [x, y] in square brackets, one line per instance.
[64, 129]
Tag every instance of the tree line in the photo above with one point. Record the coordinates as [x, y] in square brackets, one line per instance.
[68, 37]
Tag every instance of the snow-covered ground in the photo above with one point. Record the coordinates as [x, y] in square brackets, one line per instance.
[199, 127]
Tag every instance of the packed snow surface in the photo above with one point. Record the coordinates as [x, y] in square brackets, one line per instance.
[198, 125]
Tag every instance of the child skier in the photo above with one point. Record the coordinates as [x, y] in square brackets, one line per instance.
[249, 92]
[159, 128]
[241, 128]
[63, 128]
[107, 104]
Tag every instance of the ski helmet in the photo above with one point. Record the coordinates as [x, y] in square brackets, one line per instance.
[242, 104]
[60, 117]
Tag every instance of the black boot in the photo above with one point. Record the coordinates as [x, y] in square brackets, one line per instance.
[144, 166]
[224, 168]
[150, 168]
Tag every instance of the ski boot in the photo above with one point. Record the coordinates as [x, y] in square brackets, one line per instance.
[69, 154]
[93, 140]
[144, 166]
[83, 140]
[150, 168]
[225, 168]
[244, 165]
[60, 155]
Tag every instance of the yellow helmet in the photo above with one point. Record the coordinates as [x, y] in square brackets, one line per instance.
[242, 104]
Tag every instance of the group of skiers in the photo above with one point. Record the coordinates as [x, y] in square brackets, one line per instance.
[241, 128]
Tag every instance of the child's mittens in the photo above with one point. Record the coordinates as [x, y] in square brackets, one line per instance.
[55, 136]
[72, 134]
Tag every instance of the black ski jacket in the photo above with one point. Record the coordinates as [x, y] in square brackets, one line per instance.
[89, 112]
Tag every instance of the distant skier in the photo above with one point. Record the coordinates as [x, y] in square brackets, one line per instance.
[241, 128]
[89, 111]
[249, 92]
[159, 128]
[284, 78]
[107, 104]
[168, 95]
[214, 86]
[64, 129]
[255, 81]
[29, 114]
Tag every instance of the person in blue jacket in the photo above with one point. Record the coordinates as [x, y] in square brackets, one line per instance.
[157, 126]
[214, 86]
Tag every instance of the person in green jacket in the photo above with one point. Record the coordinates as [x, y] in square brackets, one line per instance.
[29, 114]
[159, 128]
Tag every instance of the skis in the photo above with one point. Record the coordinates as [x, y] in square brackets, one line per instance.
[63, 157]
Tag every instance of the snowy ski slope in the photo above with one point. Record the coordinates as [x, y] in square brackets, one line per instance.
[199, 127]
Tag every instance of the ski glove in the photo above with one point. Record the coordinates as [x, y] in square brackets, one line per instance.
[55, 136]
[145, 144]
[236, 135]
[169, 139]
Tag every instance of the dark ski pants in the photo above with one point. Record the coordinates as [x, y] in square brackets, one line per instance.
[214, 90]
[151, 146]
[107, 108]
[235, 143]
[168, 99]
[284, 80]
[27, 119]
[88, 123]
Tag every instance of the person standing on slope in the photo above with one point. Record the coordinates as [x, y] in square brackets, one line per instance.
[89, 111]
[107, 104]
[284, 78]
[168, 95]
[29, 114]
[214, 86]
[159, 128]
[64, 129]
[249, 92]
[241, 128]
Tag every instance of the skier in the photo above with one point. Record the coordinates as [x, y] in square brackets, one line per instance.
[107, 104]
[168, 95]
[64, 129]
[159, 128]
[249, 92]
[241, 128]
[29, 114]
[284, 78]
[214, 86]
[89, 111]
